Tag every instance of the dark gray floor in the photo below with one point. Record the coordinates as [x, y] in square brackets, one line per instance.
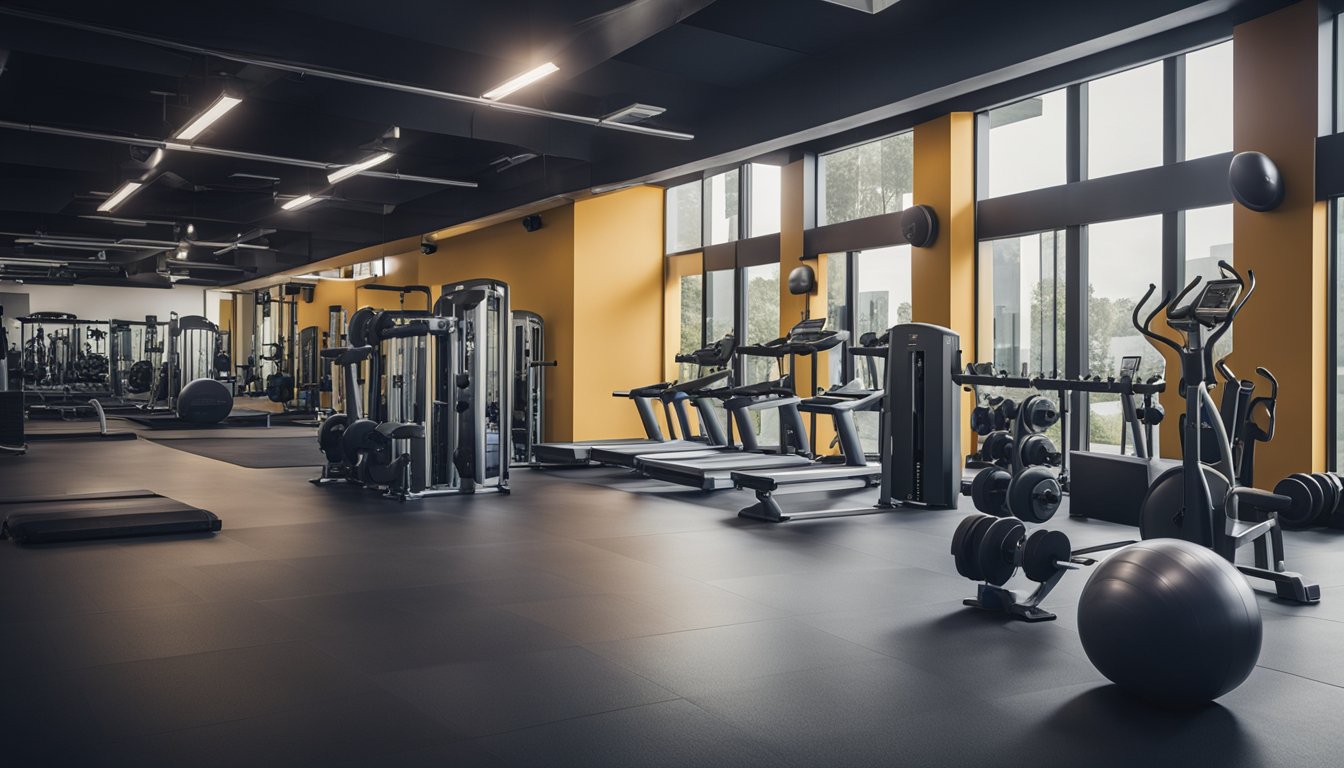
[574, 624]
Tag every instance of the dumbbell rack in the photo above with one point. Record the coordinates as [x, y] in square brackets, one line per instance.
[1123, 386]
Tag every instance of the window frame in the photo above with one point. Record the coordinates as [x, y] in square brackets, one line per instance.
[1167, 190]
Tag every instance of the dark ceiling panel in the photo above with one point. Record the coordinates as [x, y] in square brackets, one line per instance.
[710, 57]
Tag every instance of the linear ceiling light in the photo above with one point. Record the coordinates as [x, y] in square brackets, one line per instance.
[345, 172]
[118, 197]
[302, 201]
[221, 107]
[522, 81]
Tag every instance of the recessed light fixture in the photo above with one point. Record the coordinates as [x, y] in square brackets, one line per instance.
[347, 171]
[221, 107]
[182, 251]
[633, 113]
[302, 201]
[118, 197]
[522, 81]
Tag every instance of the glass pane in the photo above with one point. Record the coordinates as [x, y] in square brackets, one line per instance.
[837, 308]
[1208, 240]
[1022, 291]
[692, 296]
[1339, 337]
[1208, 101]
[721, 194]
[1123, 257]
[762, 293]
[683, 217]
[883, 280]
[1124, 121]
[720, 305]
[1027, 144]
[867, 180]
[766, 199]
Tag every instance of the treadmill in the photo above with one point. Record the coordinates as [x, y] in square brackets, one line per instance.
[851, 469]
[674, 397]
[714, 472]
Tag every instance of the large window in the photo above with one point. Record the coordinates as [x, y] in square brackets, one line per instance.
[1338, 374]
[766, 201]
[882, 279]
[1022, 301]
[1208, 101]
[868, 180]
[1208, 240]
[761, 286]
[684, 218]
[692, 308]
[1124, 121]
[723, 210]
[720, 304]
[1026, 144]
[837, 308]
[1123, 257]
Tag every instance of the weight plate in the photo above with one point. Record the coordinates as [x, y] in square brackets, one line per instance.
[329, 436]
[1330, 484]
[982, 420]
[1301, 513]
[140, 377]
[961, 550]
[996, 552]
[356, 332]
[1039, 413]
[997, 446]
[1034, 495]
[988, 491]
[974, 536]
[1043, 552]
[354, 438]
[1038, 451]
[1317, 496]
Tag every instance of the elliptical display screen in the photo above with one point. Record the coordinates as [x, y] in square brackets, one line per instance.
[1217, 299]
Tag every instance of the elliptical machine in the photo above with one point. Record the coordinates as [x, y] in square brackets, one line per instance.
[1198, 502]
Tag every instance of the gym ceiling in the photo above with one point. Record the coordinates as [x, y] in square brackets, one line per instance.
[88, 91]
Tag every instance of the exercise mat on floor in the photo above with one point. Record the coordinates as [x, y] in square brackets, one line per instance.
[254, 453]
[108, 515]
[240, 417]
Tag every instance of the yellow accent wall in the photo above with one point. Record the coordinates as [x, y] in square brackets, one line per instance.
[943, 275]
[539, 269]
[618, 317]
[1283, 327]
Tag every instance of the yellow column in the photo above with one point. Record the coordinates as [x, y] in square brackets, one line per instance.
[1283, 327]
[943, 279]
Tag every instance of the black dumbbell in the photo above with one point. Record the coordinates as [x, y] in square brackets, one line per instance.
[1308, 500]
[997, 447]
[991, 549]
[989, 491]
[1039, 451]
[1039, 413]
[1034, 495]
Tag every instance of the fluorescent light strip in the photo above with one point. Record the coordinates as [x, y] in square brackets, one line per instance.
[302, 201]
[118, 197]
[207, 118]
[522, 81]
[364, 165]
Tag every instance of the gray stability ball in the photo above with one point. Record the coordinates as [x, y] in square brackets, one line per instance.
[1171, 622]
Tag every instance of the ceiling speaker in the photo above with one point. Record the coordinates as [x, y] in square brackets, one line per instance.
[532, 223]
[919, 225]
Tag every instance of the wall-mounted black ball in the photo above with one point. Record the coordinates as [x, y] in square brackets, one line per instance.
[919, 225]
[1255, 180]
[802, 280]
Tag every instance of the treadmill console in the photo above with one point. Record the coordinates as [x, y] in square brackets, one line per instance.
[1216, 301]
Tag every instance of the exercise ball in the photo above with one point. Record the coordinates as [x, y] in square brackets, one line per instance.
[1170, 622]
[204, 401]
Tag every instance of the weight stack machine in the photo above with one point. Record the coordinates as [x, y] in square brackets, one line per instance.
[922, 415]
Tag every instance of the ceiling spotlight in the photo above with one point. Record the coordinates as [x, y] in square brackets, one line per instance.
[522, 81]
[221, 107]
[118, 197]
[302, 201]
[347, 171]
[182, 251]
[191, 230]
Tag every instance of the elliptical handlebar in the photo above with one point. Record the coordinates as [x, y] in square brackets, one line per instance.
[1145, 327]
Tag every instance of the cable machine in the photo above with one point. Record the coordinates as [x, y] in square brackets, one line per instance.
[529, 384]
